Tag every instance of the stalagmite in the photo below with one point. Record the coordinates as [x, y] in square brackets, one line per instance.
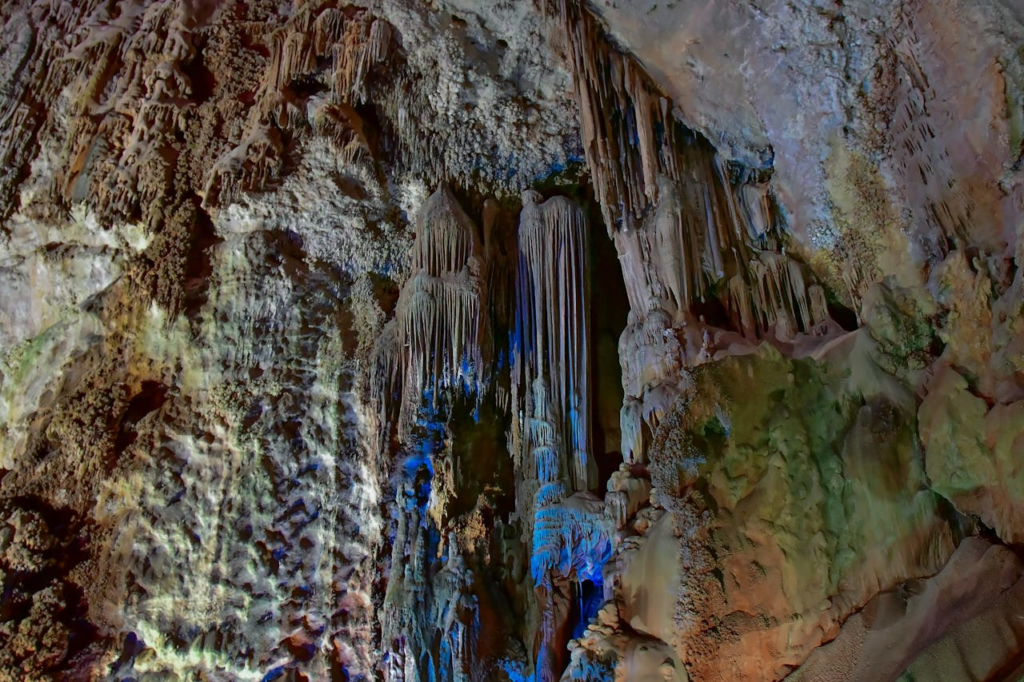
[571, 540]
[651, 356]
[456, 616]
[626, 495]
[631, 426]
[546, 450]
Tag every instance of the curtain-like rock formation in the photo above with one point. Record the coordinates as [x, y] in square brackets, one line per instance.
[692, 231]
[551, 336]
[551, 427]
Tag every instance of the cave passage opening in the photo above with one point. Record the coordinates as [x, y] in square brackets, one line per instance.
[587, 596]
[609, 315]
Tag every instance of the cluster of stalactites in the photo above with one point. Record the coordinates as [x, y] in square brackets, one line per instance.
[683, 221]
[117, 88]
[446, 239]
[621, 118]
[437, 341]
[552, 324]
[435, 345]
[636, 149]
[352, 42]
[774, 298]
[709, 239]
[692, 232]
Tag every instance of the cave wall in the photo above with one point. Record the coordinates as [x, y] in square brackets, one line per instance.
[516, 340]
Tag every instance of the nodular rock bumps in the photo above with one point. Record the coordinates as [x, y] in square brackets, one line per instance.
[524, 340]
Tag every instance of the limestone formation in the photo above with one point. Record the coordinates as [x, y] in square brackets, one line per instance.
[518, 340]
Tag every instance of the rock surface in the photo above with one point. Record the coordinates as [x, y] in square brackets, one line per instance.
[517, 340]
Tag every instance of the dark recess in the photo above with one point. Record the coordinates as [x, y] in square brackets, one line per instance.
[150, 398]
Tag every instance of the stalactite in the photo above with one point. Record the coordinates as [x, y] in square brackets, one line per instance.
[344, 127]
[779, 287]
[691, 230]
[741, 303]
[550, 433]
[681, 218]
[440, 318]
[123, 90]
[819, 308]
[355, 53]
[436, 346]
[552, 322]
[385, 386]
[249, 166]
[353, 44]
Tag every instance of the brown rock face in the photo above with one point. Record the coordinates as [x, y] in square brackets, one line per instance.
[973, 453]
[531, 339]
[861, 113]
[913, 628]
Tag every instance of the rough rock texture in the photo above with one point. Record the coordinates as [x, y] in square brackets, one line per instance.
[530, 339]
[815, 510]
[971, 606]
[861, 112]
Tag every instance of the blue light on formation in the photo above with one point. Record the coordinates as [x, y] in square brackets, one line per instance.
[513, 167]
[514, 670]
[589, 598]
[273, 674]
[553, 169]
[514, 338]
